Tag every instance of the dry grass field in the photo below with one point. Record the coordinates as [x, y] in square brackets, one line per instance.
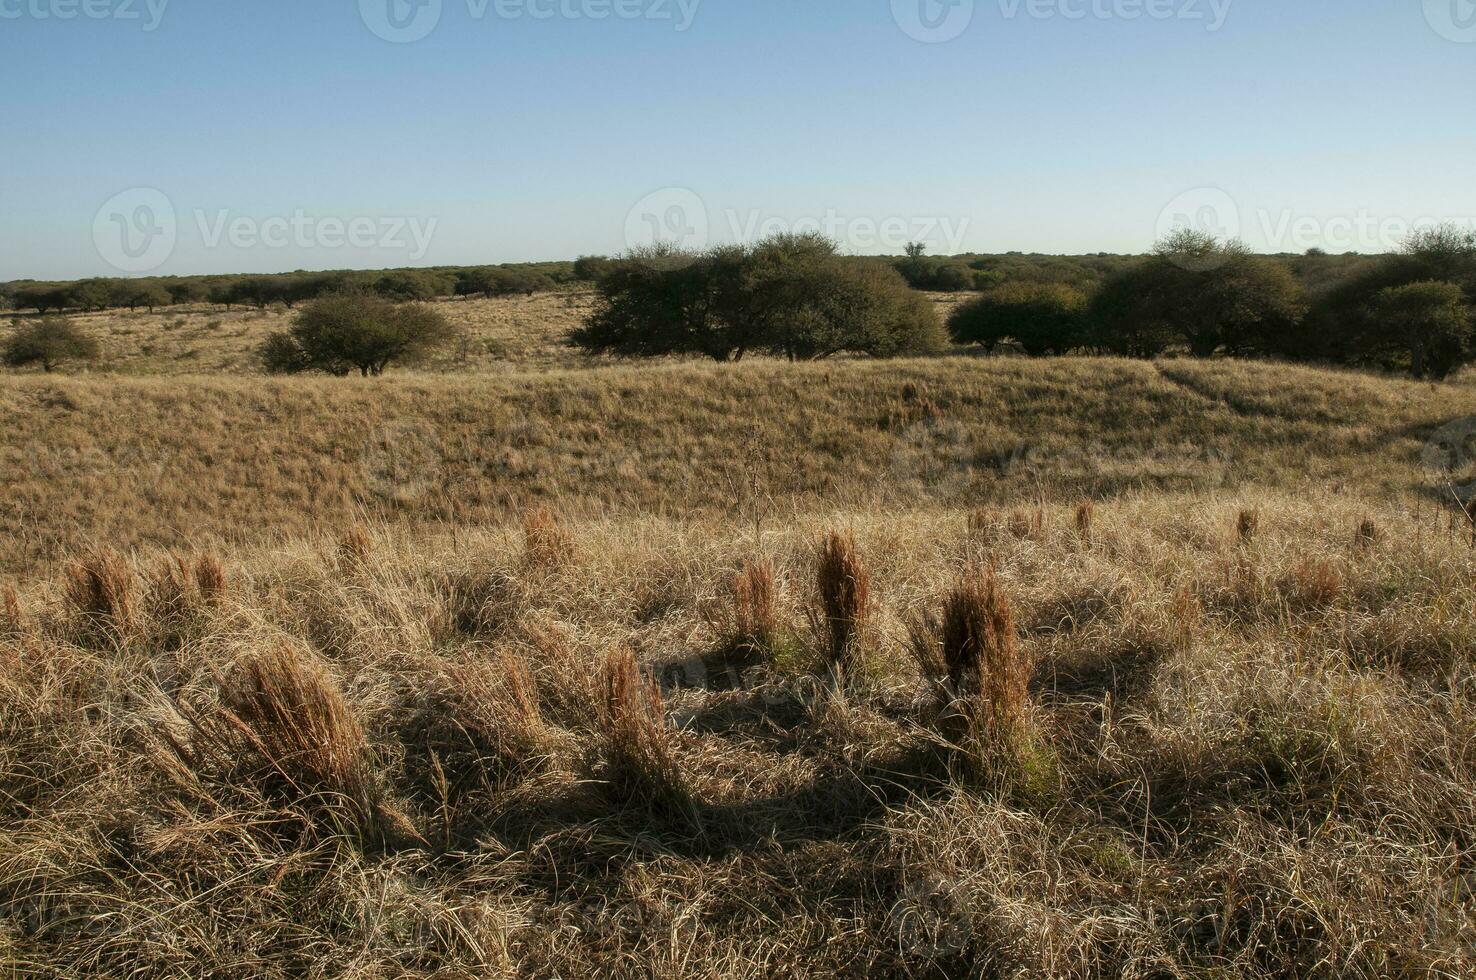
[502, 335]
[179, 461]
[1171, 735]
[933, 668]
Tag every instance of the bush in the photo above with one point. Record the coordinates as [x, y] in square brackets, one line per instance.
[790, 295]
[1346, 324]
[592, 268]
[187, 291]
[952, 279]
[344, 331]
[49, 342]
[1428, 321]
[1200, 292]
[405, 286]
[42, 299]
[500, 281]
[1042, 319]
[134, 294]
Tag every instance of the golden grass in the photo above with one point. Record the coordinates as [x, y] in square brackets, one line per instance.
[186, 463]
[373, 727]
[1245, 760]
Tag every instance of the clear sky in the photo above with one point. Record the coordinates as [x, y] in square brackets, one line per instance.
[186, 136]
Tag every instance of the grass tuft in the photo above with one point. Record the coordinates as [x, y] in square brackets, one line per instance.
[100, 591]
[1084, 513]
[283, 727]
[210, 578]
[1247, 522]
[755, 614]
[640, 766]
[843, 587]
[12, 620]
[355, 547]
[547, 543]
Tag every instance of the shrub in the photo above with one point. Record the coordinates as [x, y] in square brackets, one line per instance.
[1201, 292]
[406, 286]
[1042, 319]
[1428, 321]
[42, 299]
[134, 293]
[345, 331]
[789, 295]
[592, 268]
[49, 342]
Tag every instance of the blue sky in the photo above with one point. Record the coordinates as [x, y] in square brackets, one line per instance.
[259, 134]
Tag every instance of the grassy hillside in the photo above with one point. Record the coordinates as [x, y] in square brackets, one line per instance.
[164, 462]
[545, 673]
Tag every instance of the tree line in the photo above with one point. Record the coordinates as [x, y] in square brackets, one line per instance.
[795, 296]
[1196, 294]
[287, 289]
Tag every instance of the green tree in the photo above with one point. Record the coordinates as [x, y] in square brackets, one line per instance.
[187, 291]
[91, 294]
[342, 332]
[42, 299]
[789, 295]
[592, 268]
[49, 341]
[1201, 292]
[1428, 321]
[134, 293]
[1042, 318]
